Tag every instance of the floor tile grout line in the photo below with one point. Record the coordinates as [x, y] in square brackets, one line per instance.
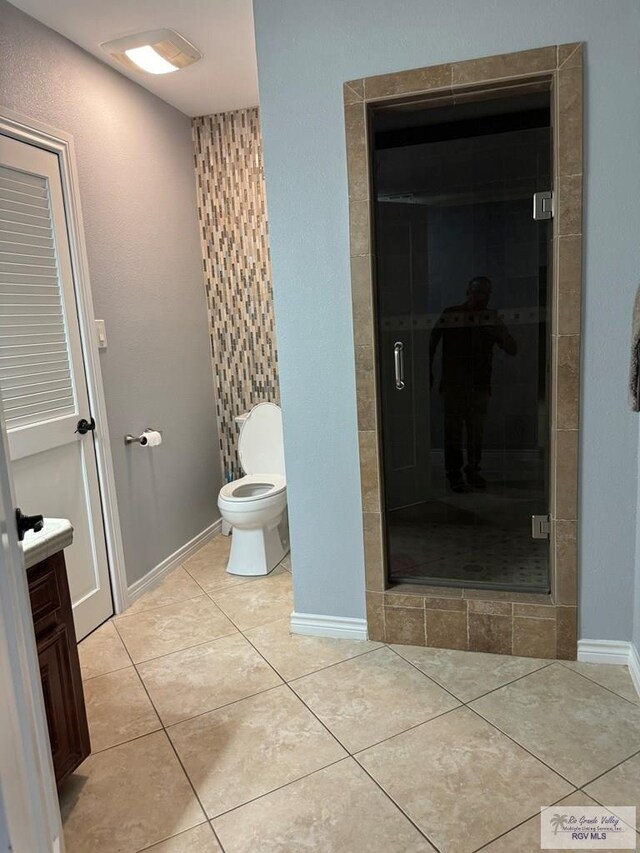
[216, 836]
[171, 837]
[124, 742]
[333, 735]
[336, 663]
[182, 649]
[187, 648]
[135, 737]
[508, 683]
[108, 672]
[123, 642]
[221, 707]
[122, 617]
[604, 686]
[322, 723]
[264, 658]
[522, 746]
[231, 590]
[376, 743]
[164, 732]
[615, 767]
[311, 711]
[231, 586]
[281, 787]
[249, 627]
[208, 595]
[397, 805]
[156, 587]
[426, 675]
[405, 731]
[138, 612]
[636, 828]
[450, 711]
[166, 726]
[222, 590]
[522, 822]
[179, 760]
[252, 627]
[506, 734]
[193, 788]
[482, 695]
[227, 704]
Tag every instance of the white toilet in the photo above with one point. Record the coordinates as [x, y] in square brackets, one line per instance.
[256, 505]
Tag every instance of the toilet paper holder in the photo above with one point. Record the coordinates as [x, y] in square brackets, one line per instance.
[140, 439]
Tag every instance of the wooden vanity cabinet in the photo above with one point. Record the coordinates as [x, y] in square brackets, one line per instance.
[59, 664]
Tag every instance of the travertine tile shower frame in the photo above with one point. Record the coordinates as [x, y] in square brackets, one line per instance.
[527, 624]
[237, 271]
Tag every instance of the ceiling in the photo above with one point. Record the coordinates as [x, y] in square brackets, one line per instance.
[224, 79]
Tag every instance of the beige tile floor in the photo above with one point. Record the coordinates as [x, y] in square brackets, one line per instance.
[213, 729]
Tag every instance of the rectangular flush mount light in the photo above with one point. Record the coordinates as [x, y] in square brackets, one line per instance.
[156, 52]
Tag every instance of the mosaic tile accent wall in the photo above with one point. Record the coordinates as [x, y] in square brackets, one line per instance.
[237, 272]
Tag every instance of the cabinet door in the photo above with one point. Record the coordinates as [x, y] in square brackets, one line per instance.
[67, 729]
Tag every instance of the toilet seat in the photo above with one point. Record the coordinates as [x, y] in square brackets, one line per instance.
[260, 445]
[247, 489]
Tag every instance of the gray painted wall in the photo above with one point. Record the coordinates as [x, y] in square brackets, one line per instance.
[137, 185]
[306, 50]
[5, 844]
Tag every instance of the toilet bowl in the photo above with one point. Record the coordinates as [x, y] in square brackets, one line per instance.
[255, 506]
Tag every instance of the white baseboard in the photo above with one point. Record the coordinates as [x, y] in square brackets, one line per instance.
[314, 625]
[604, 651]
[613, 652]
[634, 667]
[155, 575]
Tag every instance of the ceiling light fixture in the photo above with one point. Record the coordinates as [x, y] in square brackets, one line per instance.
[156, 52]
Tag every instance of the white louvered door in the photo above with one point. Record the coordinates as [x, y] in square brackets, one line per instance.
[42, 379]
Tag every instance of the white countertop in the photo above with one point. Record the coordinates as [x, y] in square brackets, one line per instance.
[56, 534]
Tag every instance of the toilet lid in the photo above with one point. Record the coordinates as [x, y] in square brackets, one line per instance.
[260, 444]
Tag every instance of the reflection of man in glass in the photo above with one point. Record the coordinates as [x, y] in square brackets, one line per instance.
[468, 333]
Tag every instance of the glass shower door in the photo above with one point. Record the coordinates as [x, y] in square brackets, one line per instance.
[462, 279]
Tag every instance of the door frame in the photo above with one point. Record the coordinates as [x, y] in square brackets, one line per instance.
[33, 132]
[530, 624]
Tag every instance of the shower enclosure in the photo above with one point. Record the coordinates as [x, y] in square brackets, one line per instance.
[462, 242]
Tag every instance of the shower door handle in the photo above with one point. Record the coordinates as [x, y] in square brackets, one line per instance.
[398, 360]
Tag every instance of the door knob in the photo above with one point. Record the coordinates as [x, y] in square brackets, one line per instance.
[28, 522]
[84, 426]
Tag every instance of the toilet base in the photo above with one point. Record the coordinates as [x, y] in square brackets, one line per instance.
[258, 551]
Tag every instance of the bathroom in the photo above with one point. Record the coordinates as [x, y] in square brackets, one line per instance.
[226, 252]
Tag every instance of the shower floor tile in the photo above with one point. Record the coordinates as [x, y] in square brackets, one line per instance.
[469, 553]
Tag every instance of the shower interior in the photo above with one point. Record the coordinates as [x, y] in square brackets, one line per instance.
[453, 189]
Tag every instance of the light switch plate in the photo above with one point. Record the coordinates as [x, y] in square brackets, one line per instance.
[101, 332]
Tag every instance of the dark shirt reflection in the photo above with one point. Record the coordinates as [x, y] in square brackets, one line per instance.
[468, 333]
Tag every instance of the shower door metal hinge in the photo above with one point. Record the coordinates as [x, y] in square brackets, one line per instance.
[543, 205]
[540, 526]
